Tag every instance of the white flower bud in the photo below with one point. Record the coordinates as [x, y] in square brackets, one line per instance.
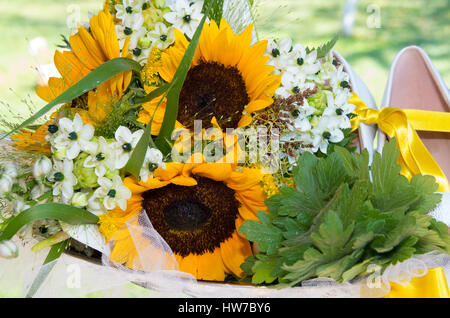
[6, 184]
[8, 250]
[42, 167]
[80, 199]
[10, 170]
[20, 206]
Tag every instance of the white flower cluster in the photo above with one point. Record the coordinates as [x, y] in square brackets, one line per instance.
[151, 24]
[86, 170]
[321, 117]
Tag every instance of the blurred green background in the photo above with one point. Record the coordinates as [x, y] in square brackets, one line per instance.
[381, 28]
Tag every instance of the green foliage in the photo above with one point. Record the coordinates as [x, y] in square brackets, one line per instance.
[323, 50]
[339, 220]
[123, 113]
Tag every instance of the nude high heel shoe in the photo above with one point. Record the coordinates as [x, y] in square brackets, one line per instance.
[414, 83]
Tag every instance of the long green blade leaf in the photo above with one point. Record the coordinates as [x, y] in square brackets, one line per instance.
[163, 142]
[137, 157]
[55, 253]
[214, 10]
[58, 211]
[95, 78]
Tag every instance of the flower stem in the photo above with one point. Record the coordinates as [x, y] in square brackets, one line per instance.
[55, 239]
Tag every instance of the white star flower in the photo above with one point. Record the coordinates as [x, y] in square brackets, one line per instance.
[340, 79]
[128, 11]
[325, 132]
[162, 36]
[113, 193]
[101, 157]
[64, 179]
[153, 160]
[185, 16]
[307, 63]
[279, 55]
[135, 33]
[125, 143]
[73, 136]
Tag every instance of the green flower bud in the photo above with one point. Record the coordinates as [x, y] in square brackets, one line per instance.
[80, 199]
[60, 154]
[86, 176]
[160, 4]
[318, 101]
[144, 42]
[151, 17]
[111, 173]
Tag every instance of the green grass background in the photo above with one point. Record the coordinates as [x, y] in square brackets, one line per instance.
[370, 50]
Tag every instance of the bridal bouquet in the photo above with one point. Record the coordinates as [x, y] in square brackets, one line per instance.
[238, 151]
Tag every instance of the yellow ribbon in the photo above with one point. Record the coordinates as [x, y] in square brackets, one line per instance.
[402, 124]
[414, 159]
[431, 285]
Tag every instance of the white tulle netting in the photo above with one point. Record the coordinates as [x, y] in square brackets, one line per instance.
[155, 273]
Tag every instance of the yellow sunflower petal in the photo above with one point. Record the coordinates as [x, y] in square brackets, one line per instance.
[214, 171]
[210, 266]
[234, 251]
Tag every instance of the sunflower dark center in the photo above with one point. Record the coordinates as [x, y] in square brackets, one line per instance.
[213, 89]
[186, 215]
[193, 220]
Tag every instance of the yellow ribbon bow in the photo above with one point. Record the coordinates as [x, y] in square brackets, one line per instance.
[402, 124]
[414, 159]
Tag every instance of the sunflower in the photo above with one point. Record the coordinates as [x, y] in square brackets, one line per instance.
[197, 209]
[228, 80]
[90, 49]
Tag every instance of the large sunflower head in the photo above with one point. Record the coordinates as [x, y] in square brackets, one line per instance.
[228, 80]
[197, 209]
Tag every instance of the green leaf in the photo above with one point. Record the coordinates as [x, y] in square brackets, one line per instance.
[332, 235]
[267, 235]
[338, 220]
[425, 187]
[405, 228]
[95, 78]
[323, 50]
[263, 268]
[137, 157]
[392, 191]
[336, 269]
[58, 211]
[55, 252]
[356, 165]
[214, 10]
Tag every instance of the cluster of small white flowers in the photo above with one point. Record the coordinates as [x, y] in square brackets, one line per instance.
[86, 169]
[152, 23]
[321, 118]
